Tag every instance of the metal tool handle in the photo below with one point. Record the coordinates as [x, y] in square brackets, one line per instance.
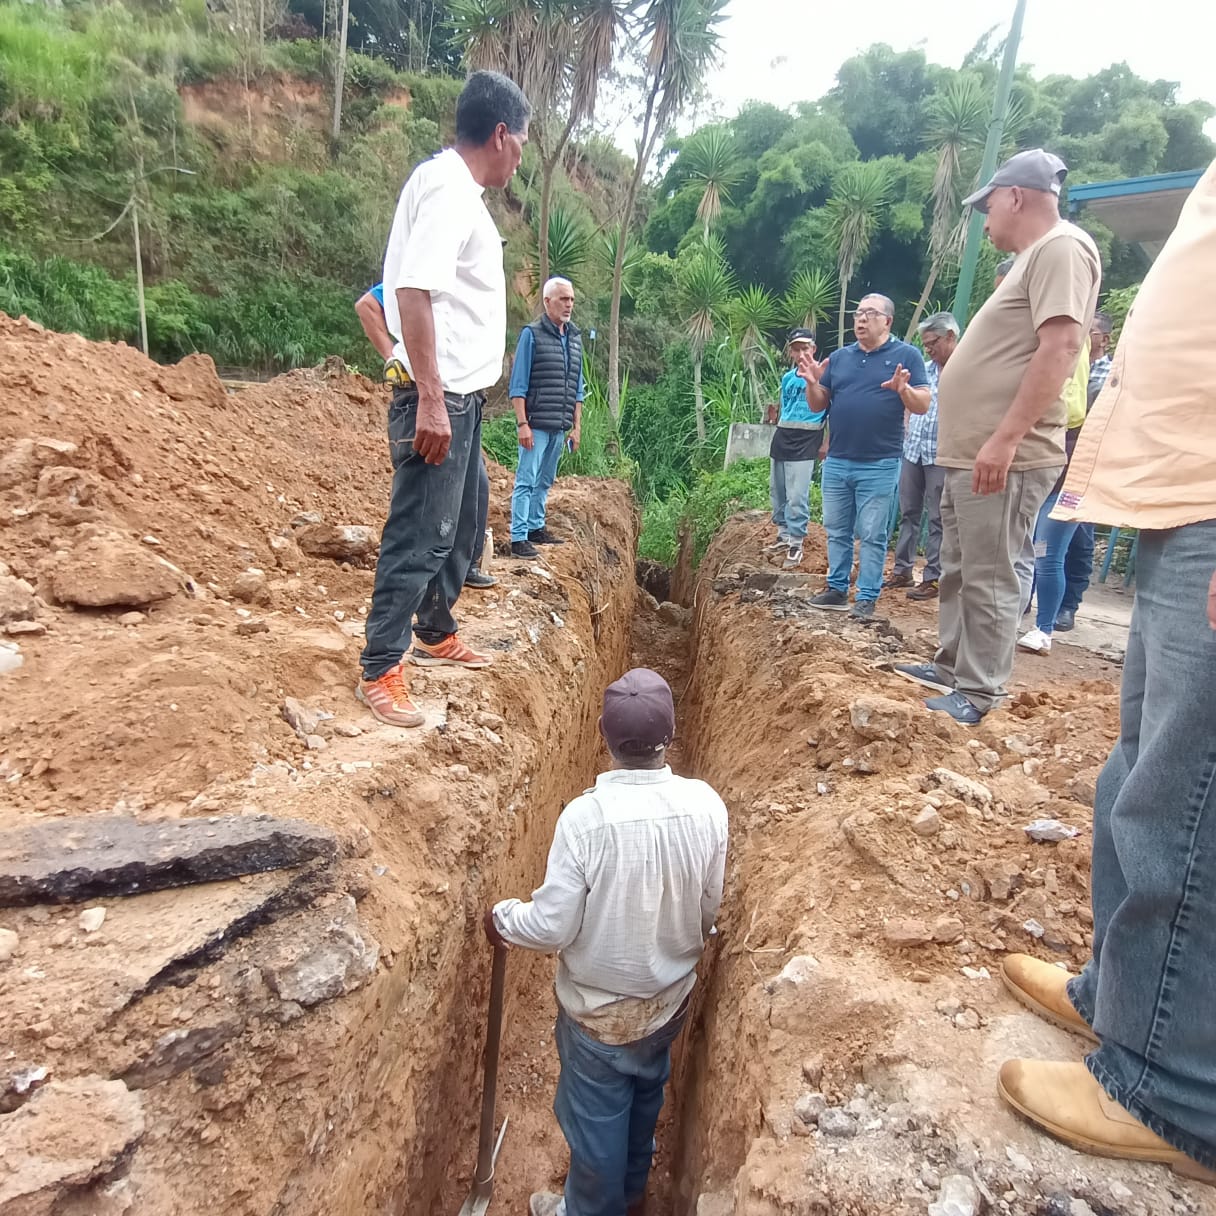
[485, 1143]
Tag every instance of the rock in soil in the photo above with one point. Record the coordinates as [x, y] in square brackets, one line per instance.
[333, 956]
[66, 1135]
[178, 1050]
[75, 858]
[111, 572]
[880, 718]
[341, 542]
[959, 1196]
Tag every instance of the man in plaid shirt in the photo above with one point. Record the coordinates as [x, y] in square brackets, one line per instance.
[920, 478]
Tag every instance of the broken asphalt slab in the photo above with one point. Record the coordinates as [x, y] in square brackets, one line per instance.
[83, 857]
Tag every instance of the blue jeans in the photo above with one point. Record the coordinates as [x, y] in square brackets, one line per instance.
[534, 475]
[1150, 990]
[608, 1102]
[789, 488]
[430, 534]
[1052, 538]
[1078, 567]
[857, 498]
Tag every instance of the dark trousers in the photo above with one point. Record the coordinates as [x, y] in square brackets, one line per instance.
[1078, 567]
[430, 534]
[920, 487]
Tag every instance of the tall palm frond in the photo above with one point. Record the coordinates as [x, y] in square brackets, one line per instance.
[810, 299]
[860, 193]
[711, 159]
[754, 313]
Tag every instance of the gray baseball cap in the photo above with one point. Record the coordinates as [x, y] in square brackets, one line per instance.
[1031, 170]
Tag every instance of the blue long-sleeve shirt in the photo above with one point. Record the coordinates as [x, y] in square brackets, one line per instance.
[521, 369]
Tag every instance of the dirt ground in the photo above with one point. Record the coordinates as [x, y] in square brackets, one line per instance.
[163, 593]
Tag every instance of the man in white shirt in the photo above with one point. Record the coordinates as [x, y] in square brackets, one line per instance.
[633, 884]
[445, 306]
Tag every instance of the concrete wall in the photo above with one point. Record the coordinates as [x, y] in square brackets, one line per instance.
[747, 441]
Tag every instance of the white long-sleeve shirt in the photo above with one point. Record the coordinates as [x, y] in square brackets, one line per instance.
[632, 887]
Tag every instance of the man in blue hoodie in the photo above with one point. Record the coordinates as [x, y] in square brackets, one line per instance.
[793, 452]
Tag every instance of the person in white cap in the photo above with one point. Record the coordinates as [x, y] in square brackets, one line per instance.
[1001, 426]
[631, 891]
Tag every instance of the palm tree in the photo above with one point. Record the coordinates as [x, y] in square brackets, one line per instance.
[682, 41]
[557, 51]
[754, 312]
[705, 287]
[710, 158]
[860, 192]
[957, 123]
[810, 299]
[569, 246]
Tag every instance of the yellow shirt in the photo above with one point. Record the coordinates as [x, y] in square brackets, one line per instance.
[1146, 456]
[1076, 389]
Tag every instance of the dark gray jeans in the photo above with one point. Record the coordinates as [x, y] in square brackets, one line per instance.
[430, 534]
[920, 488]
[1150, 990]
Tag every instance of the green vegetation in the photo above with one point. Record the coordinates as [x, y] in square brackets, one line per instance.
[257, 232]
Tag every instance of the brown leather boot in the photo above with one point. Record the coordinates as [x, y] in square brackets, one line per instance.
[1041, 987]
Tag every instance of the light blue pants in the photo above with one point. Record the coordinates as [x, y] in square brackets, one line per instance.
[789, 490]
[534, 476]
[1150, 990]
[608, 1102]
[857, 500]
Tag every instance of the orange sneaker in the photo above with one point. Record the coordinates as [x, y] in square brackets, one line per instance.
[388, 698]
[451, 652]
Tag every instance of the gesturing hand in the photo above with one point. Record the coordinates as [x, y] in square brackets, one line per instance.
[809, 368]
[899, 379]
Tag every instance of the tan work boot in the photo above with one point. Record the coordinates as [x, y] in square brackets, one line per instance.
[545, 1203]
[1041, 987]
[1065, 1101]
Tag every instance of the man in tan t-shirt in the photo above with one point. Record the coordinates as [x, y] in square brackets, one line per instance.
[1001, 425]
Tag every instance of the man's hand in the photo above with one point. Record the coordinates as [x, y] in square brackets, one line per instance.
[1212, 602]
[492, 933]
[809, 368]
[433, 431]
[823, 451]
[992, 466]
[899, 379]
[526, 439]
[576, 437]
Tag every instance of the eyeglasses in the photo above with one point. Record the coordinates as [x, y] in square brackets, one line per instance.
[867, 314]
[930, 344]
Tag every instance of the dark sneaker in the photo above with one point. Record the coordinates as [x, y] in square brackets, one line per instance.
[476, 577]
[863, 610]
[927, 590]
[1066, 619]
[830, 601]
[923, 673]
[900, 578]
[782, 542]
[542, 536]
[524, 548]
[793, 555]
[958, 707]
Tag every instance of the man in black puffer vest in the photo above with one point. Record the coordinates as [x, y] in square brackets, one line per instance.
[547, 395]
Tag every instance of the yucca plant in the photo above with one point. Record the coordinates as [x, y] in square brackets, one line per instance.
[569, 245]
[810, 299]
[705, 287]
[860, 194]
[711, 159]
[754, 313]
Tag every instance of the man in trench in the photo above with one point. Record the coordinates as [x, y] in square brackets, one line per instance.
[633, 885]
[1146, 457]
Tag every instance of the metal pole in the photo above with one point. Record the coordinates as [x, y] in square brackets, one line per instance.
[139, 275]
[992, 150]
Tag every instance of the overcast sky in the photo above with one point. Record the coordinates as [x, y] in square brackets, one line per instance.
[784, 51]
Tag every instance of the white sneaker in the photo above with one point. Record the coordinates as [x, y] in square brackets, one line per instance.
[793, 557]
[1036, 641]
[782, 542]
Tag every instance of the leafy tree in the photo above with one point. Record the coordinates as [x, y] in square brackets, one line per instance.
[880, 95]
[712, 166]
[754, 313]
[705, 288]
[860, 193]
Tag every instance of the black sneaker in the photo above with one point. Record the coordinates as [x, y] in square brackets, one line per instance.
[830, 600]
[476, 577]
[524, 548]
[923, 673]
[542, 536]
[1066, 618]
[958, 707]
[863, 610]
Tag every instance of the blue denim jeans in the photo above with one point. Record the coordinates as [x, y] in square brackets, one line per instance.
[430, 534]
[1078, 567]
[1150, 990]
[608, 1102]
[534, 476]
[789, 489]
[857, 500]
[483, 510]
[1052, 538]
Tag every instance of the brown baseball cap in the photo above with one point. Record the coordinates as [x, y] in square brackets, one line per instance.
[639, 715]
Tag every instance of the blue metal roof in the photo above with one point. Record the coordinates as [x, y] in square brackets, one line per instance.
[1092, 191]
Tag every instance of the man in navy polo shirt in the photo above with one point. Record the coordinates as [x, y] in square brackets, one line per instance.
[866, 388]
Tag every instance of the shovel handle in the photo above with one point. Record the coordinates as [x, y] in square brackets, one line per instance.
[485, 1142]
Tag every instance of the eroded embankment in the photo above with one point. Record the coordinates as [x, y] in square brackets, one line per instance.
[842, 1059]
